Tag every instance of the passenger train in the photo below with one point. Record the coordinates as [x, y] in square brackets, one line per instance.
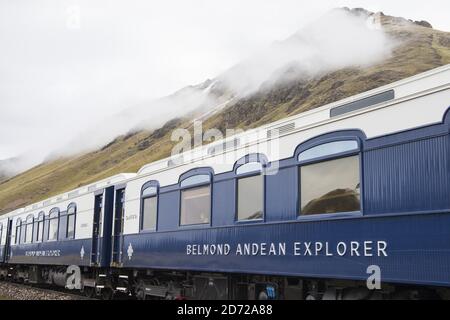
[321, 205]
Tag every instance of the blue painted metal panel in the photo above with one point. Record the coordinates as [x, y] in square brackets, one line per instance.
[408, 177]
[66, 252]
[168, 207]
[418, 249]
[224, 198]
[282, 195]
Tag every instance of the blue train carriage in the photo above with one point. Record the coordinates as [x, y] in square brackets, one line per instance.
[310, 206]
[41, 241]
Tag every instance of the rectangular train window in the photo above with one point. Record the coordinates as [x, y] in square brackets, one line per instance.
[149, 205]
[62, 225]
[70, 229]
[330, 186]
[29, 233]
[70, 226]
[53, 224]
[18, 228]
[39, 227]
[250, 197]
[149, 211]
[195, 205]
[29, 229]
[22, 232]
[53, 229]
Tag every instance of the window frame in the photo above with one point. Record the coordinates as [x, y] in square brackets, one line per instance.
[26, 224]
[73, 206]
[18, 231]
[39, 222]
[145, 186]
[246, 160]
[50, 218]
[334, 156]
[62, 224]
[187, 175]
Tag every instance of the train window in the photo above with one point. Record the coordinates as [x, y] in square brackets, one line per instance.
[53, 219]
[250, 191]
[18, 229]
[23, 231]
[29, 229]
[149, 212]
[71, 213]
[250, 197]
[330, 186]
[195, 205]
[328, 149]
[149, 205]
[62, 225]
[39, 227]
[35, 230]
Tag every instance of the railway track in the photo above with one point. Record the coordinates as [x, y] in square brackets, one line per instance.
[19, 291]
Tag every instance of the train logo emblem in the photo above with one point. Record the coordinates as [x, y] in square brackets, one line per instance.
[82, 252]
[130, 251]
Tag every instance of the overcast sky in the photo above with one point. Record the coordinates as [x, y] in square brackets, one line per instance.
[65, 65]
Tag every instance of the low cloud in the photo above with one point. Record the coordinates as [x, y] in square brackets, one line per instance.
[74, 87]
[338, 39]
[148, 116]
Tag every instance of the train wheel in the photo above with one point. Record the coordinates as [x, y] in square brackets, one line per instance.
[107, 294]
[89, 292]
[140, 290]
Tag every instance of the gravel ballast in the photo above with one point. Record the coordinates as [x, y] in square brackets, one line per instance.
[11, 291]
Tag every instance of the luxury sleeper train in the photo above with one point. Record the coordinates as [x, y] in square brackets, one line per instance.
[347, 201]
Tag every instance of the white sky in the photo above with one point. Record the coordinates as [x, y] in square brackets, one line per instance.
[58, 77]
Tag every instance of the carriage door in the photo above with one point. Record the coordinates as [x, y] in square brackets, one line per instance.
[8, 240]
[96, 227]
[118, 226]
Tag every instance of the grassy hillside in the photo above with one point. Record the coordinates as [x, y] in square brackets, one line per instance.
[422, 48]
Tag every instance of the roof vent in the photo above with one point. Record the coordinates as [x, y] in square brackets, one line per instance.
[281, 130]
[362, 103]
[92, 188]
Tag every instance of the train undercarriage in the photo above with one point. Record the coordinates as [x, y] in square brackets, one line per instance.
[117, 283]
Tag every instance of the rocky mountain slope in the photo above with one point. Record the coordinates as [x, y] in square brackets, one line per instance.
[418, 48]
